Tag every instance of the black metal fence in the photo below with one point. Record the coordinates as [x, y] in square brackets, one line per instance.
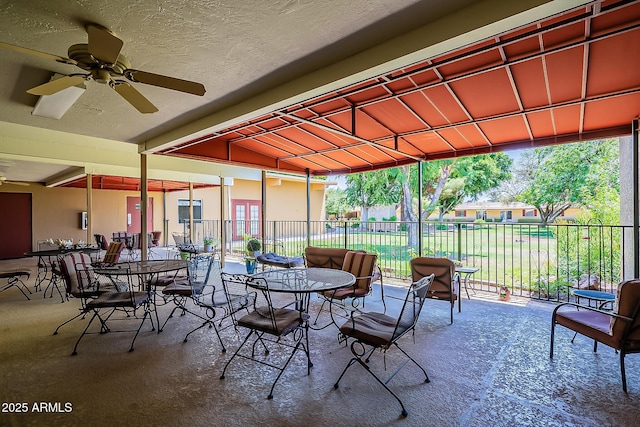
[532, 260]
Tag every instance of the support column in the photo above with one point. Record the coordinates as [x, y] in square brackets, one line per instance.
[191, 224]
[629, 152]
[263, 210]
[223, 224]
[308, 208]
[89, 209]
[144, 205]
[420, 208]
[636, 203]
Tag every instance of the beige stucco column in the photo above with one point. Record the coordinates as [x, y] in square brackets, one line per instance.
[89, 208]
[628, 192]
[144, 202]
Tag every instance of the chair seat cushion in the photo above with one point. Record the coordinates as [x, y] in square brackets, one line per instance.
[167, 280]
[588, 323]
[344, 293]
[446, 295]
[118, 299]
[371, 328]
[286, 320]
[273, 259]
[183, 288]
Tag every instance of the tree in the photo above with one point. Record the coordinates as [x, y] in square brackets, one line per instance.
[336, 202]
[368, 189]
[570, 175]
[473, 175]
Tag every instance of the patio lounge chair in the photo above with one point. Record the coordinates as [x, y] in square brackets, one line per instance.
[619, 329]
[446, 284]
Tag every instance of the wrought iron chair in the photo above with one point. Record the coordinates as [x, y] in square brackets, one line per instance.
[282, 326]
[619, 329]
[372, 331]
[112, 254]
[205, 287]
[446, 285]
[14, 278]
[101, 241]
[113, 295]
[70, 278]
[363, 266]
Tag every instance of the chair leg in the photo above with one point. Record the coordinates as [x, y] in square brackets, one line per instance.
[426, 377]
[553, 330]
[622, 371]
[73, 318]
[147, 313]
[452, 304]
[320, 311]
[236, 353]
[358, 359]
[75, 348]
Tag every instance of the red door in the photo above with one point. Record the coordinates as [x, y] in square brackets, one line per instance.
[134, 215]
[15, 224]
[246, 218]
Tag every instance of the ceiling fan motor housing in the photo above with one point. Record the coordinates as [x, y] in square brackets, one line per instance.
[86, 61]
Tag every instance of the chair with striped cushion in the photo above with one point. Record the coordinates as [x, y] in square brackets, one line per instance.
[113, 253]
[363, 266]
[68, 272]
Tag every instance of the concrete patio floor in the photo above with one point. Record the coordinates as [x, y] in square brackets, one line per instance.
[490, 368]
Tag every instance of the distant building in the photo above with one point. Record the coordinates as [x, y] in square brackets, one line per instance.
[500, 212]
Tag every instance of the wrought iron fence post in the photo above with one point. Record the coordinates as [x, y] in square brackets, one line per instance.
[346, 238]
[459, 229]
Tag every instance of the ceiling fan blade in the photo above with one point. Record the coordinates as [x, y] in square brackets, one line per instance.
[165, 82]
[24, 184]
[134, 97]
[38, 53]
[103, 44]
[55, 86]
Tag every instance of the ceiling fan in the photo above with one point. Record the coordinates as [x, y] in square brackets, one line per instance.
[103, 63]
[4, 180]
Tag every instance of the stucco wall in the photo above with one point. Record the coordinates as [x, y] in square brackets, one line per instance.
[56, 211]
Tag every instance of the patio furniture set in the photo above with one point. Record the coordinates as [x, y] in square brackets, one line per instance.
[274, 304]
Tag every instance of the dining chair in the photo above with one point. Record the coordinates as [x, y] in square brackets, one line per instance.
[112, 255]
[205, 288]
[446, 284]
[113, 295]
[618, 328]
[377, 331]
[279, 326]
[363, 266]
[73, 288]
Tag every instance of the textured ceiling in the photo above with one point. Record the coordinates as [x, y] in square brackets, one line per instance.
[235, 48]
[255, 59]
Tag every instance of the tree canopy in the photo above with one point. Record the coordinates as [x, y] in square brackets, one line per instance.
[558, 177]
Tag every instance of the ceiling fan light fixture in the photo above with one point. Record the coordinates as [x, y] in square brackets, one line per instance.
[56, 105]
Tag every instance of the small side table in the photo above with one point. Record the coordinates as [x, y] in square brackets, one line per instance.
[601, 298]
[468, 272]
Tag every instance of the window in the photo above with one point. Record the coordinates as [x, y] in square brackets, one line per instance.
[530, 212]
[461, 214]
[506, 215]
[481, 215]
[183, 210]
